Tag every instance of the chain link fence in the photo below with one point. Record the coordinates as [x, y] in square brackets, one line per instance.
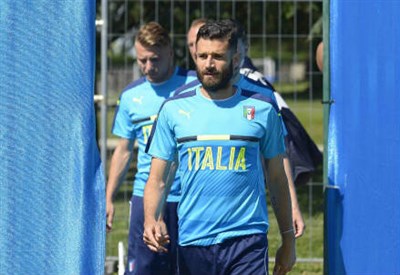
[283, 36]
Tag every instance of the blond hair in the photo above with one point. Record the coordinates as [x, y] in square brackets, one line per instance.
[153, 34]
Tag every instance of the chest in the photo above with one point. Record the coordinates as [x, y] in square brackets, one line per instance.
[196, 119]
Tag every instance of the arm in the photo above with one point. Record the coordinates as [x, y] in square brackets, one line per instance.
[155, 193]
[280, 199]
[118, 167]
[298, 222]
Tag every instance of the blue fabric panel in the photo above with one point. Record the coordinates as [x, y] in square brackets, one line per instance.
[51, 182]
[364, 138]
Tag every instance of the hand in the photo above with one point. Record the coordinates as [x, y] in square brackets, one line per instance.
[109, 215]
[285, 256]
[156, 236]
[298, 223]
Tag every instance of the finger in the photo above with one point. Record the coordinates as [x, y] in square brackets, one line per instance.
[280, 270]
[162, 239]
[149, 239]
[162, 249]
[109, 222]
[158, 232]
[108, 227]
[299, 230]
[162, 235]
[152, 247]
[283, 270]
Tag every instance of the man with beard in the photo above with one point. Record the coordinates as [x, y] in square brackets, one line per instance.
[245, 79]
[220, 133]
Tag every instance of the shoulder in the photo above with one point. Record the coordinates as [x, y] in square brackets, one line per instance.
[259, 97]
[184, 95]
[256, 78]
[134, 86]
[248, 64]
[176, 99]
[187, 87]
[186, 73]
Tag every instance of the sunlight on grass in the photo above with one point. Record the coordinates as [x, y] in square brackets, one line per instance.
[310, 114]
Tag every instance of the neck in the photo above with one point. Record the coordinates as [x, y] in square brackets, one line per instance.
[219, 94]
[170, 73]
[166, 77]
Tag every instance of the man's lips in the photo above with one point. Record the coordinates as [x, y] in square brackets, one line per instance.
[210, 73]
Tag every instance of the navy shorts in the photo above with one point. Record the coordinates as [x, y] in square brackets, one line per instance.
[141, 260]
[246, 255]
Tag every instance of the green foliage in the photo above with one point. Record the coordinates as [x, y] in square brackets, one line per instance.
[310, 114]
[275, 19]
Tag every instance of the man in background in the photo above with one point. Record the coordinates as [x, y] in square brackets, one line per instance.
[134, 117]
[192, 34]
[319, 56]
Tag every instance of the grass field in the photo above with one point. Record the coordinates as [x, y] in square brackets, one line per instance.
[310, 245]
[310, 114]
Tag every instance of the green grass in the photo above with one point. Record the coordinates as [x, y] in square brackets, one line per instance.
[121, 221]
[310, 114]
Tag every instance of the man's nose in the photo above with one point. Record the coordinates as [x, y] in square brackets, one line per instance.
[210, 62]
[148, 66]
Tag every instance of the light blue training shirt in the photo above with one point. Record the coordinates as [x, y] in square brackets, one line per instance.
[219, 144]
[137, 109]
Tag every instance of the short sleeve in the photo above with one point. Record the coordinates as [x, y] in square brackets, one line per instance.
[162, 143]
[123, 126]
[272, 142]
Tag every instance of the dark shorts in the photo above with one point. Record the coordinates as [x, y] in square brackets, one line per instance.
[141, 260]
[247, 255]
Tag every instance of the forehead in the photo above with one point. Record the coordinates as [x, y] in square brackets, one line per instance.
[212, 46]
[191, 36]
[193, 31]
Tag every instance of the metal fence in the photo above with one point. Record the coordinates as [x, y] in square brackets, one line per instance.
[283, 36]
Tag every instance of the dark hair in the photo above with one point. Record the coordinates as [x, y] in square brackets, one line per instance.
[217, 30]
[237, 27]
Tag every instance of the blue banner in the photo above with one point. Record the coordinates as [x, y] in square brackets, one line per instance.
[363, 199]
[51, 180]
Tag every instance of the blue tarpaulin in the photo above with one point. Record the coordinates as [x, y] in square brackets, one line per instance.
[51, 179]
[363, 195]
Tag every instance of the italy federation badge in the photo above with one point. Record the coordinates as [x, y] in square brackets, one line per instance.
[248, 112]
